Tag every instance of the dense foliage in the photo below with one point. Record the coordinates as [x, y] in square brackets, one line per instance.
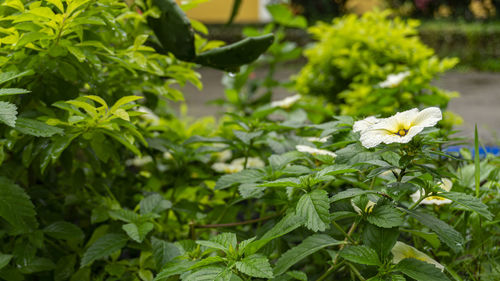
[99, 181]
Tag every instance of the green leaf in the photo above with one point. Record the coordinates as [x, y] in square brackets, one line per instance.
[477, 164]
[173, 30]
[245, 137]
[173, 268]
[138, 231]
[286, 225]
[207, 261]
[314, 208]
[4, 260]
[308, 247]
[209, 273]
[337, 170]
[385, 216]
[231, 57]
[245, 176]
[10, 75]
[16, 207]
[154, 203]
[163, 252]
[12, 91]
[103, 247]
[8, 113]
[279, 162]
[352, 192]
[64, 230]
[446, 233]
[55, 149]
[397, 277]
[65, 268]
[283, 16]
[298, 275]
[36, 128]
[380, 239]
[361, 255]
[36, 264]
[469, 202]
[420, 270]
[122, 101]
[432, 238]
[255, 266]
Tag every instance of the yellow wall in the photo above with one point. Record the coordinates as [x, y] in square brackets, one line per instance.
[218, 11]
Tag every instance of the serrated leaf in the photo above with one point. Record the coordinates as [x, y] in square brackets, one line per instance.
[420, 270]
[173, 268]
[103, 247]
[163, 252]
[255, 266]
[16, 207]
[138, 231]
[284, 182]
[469, 202]
[36, 264]
[65, 268]
[124, 215]
[154, 203]
[36, 128]
[314, 208]
[349, 194]
[12, 91]
[361, 255]
[385, 216]
[247, 137]
[245, 176]
[309, 246]
[397, 277]
[64, 230]
[209, 273]
[432, 238]
[8, 113]
[380, 239]
[278, 162]
[337, 169]
[207, 261]
[298, 275]
[446, 233]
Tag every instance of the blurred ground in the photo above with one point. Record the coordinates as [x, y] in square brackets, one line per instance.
[479, 101]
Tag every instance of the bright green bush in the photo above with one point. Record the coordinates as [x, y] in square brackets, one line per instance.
[354, 55]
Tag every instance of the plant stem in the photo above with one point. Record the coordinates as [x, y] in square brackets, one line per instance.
[236, 223]
[356, 272]
[348, 236]
[418, 202]
[330, 270]
[343, 232]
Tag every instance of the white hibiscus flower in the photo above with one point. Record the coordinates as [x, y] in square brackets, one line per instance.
[286, 103]
[400, 128]
[445, 184]
[364, 124]
[252, 162]
[402, 251]
[393, 80]
[314, 151]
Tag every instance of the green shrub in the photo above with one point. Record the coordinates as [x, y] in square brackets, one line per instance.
[354, 55]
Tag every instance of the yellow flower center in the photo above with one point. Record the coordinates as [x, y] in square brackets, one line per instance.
[401, 132]
[435, 198]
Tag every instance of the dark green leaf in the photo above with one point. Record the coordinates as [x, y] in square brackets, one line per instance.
[36, 128]
[385, 216]
[103, 247]
[380, 239]
[154, 203]
[255, 266]
[245, 176]
[138, 231]
[469, 202]
[64, 230]
[352, 192]
[163, 252]
[16, 207]
[314, 208]
[360, 254]
[420, 270]
[173, 268]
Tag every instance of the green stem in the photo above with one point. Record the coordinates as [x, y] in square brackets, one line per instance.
[343, 232]
[356, 272]
[418, 202]
[330, 270]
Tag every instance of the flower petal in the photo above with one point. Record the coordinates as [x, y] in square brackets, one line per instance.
[364, 124]
[428, 117]
[372, 138]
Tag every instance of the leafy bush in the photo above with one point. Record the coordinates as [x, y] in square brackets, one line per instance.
[354, 55]
[98, 181]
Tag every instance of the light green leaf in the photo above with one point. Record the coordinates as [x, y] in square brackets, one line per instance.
[288, 224]
[279, 162]
[446, 233]
[420, 270]
[245, 176]
[397, 277]
[337, 169]
[12, 91]
[89, 109]
[298, 275]
[64, 230]
[247, 137]
[4, 260]
[308, 247]
[123, 101]
[16, 207]
[138, 231]
[98, 99]
[469, 202]
[163, 252]
[103, 247]
[207, 261]
[432, 238]
[255, 266]
[173, 268]
[10, 75]
[314, 208]
[8, 113]
[385, 216]
[36, 128]
[154, 203]
[58, 4]
[123, 140]
[361, 255]
[352, 192]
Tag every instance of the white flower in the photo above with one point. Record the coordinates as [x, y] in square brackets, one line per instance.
[237, 165]
[445, 184]
[393, 80]
[402, 251]
[314, 139]
[139, 161]
[223, 156]
[286, 103]
[368, 208]
[364, 124]
[400, 128]
[314, 151]
[149, 115]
